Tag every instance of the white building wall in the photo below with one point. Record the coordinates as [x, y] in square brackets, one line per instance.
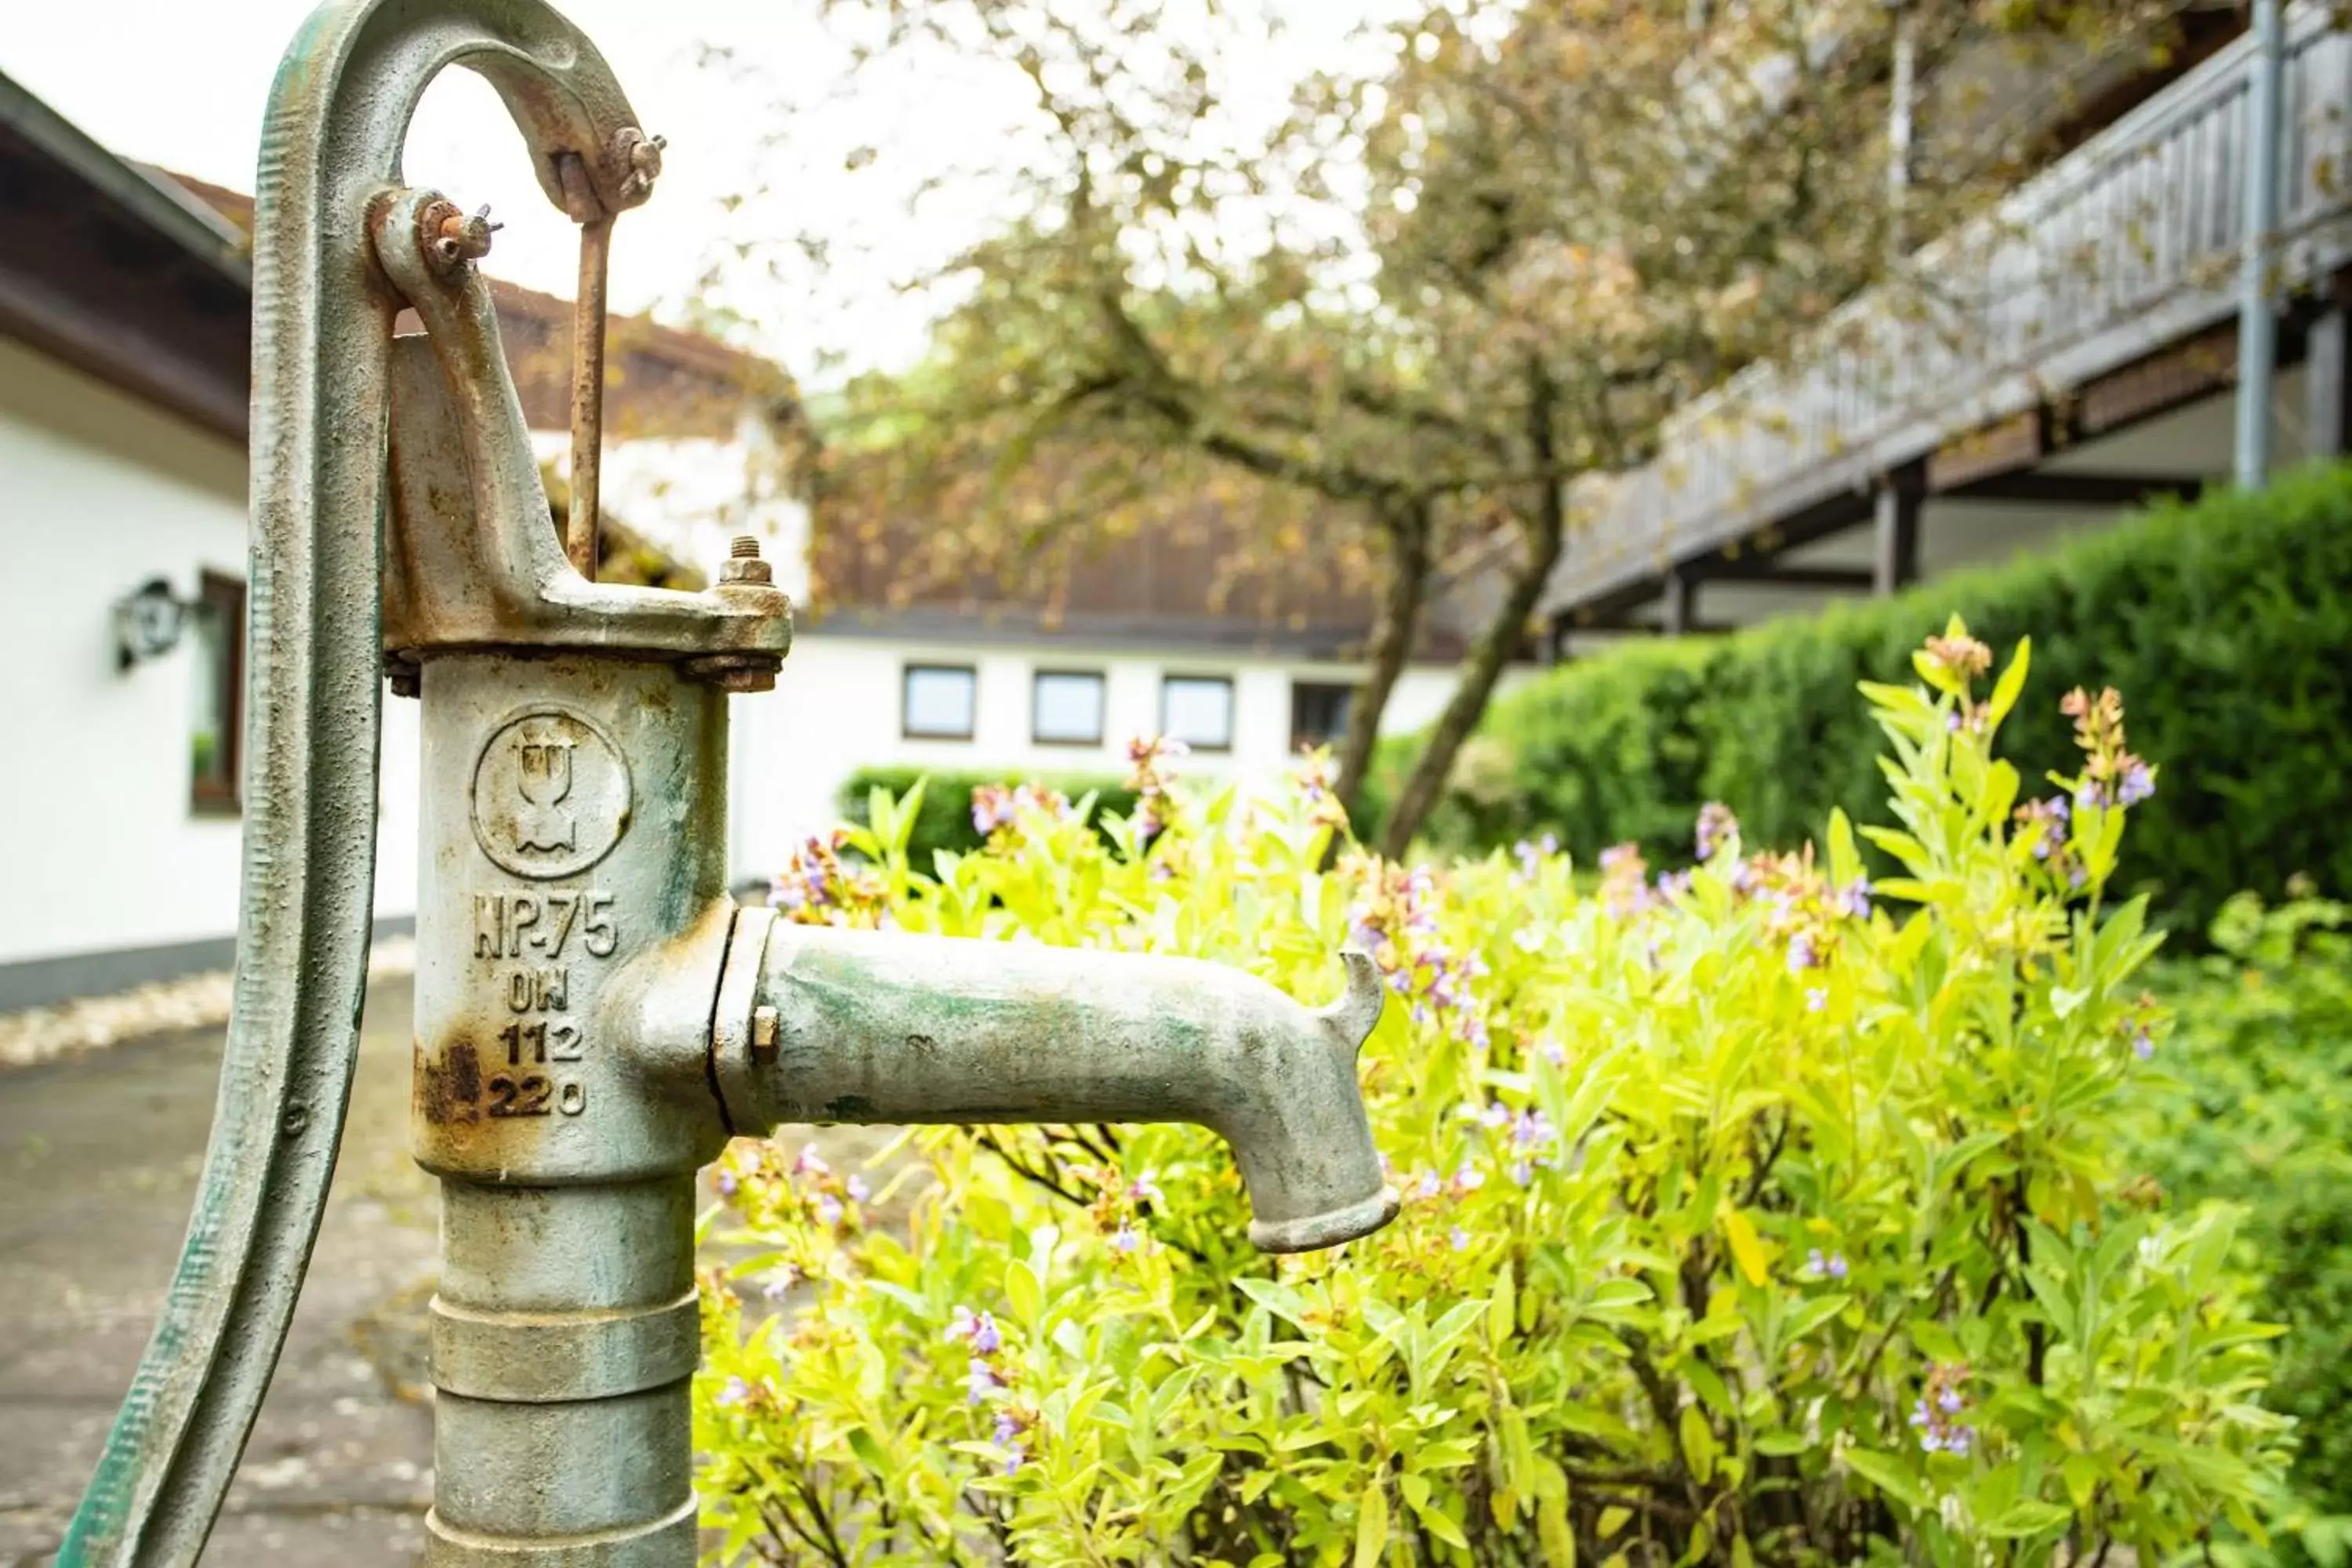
[100, 847]
[836, 708]
[694, 494]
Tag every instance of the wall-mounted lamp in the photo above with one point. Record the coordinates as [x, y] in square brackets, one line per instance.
[147, 623]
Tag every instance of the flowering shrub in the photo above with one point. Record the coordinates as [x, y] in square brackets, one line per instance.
[1753, 1213]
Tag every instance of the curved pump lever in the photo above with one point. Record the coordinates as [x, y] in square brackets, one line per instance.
[322, 316]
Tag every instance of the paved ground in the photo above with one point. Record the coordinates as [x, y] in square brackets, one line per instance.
[98, 1156]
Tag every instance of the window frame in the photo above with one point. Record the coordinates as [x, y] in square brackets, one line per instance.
[1102, 706]
[223, 793]
[1168, 681]
[907, 673]
[1298, 689]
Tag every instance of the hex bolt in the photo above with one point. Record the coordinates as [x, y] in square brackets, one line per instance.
[744, 563]
[764, 1032]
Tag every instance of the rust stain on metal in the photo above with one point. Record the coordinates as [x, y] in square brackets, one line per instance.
[449, 1091]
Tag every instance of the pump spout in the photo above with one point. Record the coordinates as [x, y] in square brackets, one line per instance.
[878, 1026]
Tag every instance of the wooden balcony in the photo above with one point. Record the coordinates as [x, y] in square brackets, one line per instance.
[2123, 251]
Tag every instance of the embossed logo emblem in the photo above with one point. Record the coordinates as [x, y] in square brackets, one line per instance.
[551, 795]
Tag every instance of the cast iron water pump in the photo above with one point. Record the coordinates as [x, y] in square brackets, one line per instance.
[594, 1015]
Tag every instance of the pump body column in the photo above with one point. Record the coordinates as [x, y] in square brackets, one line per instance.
[574, 834]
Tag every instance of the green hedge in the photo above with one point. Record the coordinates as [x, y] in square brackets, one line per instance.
[2227, 625]
[2251, 1109]
[945, 820]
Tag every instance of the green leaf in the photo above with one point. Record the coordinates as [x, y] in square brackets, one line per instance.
[1698, 1444]
[2027, 1516]
[1371, 1528]
[1887, 1474]
[1501, 1310]
[2006, 690]
[1747, 1248]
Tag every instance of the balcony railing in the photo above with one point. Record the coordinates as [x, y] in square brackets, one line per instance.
[2127, 245]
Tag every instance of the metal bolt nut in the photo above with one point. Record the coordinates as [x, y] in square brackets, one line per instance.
[735, 671]
[402, 671]
[451, 239]
[642, 156]
[764, 1033]
[744, 563]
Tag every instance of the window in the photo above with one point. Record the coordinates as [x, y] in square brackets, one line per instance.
[1318, 713]
[939, 700]
[1067, 709]
[217, 727]
[1198, 710]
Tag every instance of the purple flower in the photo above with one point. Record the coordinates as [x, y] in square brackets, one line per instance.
[828, 1209]
[1469, 1178]
[810, 1163]
[1716, 827]
[981, 1382]
[736, 1392]
[1853, 899]
[726, 1183]
[993, 807]
[1950, 1403]
[1531, 1129]
[1125, 1238]
[1531, 854]
[2137, 783]
[979, 1328]
[1802, 955]
[1007, 1430]
[1831, 1266]
[1459, 1238]
[857, 1189]
[1816, 998]
[2142, 1046]
[1554, 1053]
[1144, 1190]
[1493, 1116]
[780, 1282]
[1427, 1187]
[1522, 1172]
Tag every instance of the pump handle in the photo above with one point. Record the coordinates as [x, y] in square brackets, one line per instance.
[322, 316]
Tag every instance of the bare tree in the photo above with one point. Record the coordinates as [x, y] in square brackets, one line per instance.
[1431, 290]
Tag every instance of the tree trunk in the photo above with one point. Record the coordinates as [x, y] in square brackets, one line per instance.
[1394, 627]
[1545, 532]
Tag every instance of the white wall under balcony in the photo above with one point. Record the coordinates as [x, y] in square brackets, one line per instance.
[837, 708]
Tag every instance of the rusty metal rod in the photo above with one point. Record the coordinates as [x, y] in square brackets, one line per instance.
[588, 394]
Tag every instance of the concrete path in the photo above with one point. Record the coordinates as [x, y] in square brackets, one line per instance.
[98, 1156]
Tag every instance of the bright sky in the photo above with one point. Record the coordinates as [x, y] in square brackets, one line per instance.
[183, 85]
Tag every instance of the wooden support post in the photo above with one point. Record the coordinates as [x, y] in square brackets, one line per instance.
[2327, 407]
[1679, 613]
[1894, 524]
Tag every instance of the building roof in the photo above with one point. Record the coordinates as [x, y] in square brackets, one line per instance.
[144, 280]
[124, 277]
[659, 381]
